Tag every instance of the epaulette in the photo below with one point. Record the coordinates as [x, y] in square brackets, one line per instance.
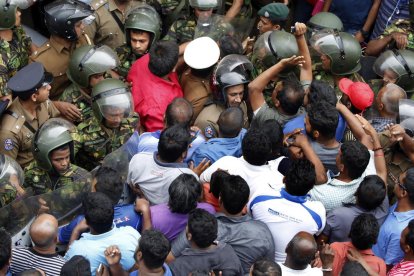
[41, 49]
[13, 124]
[96, 4]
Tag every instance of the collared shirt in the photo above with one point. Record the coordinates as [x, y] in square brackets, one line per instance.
[379, 123]
[265, 112]
[403, 268]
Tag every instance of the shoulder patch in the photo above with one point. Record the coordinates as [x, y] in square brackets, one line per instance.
[209, 132]
[96, 4]
[41, 49]
[8, 144]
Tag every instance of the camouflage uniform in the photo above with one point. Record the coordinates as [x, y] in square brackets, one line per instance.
[94, 141]
[14, 56]
[7, 194]
[126, 58]
[401, 26]
[42, 182]
[73, 94]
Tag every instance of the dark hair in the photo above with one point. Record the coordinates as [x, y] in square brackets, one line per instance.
[321, 91]
[76, 266]
[256, 147]
[266, 268]
[274, 131]
[355, 157]
[230, 122]
[203, 227]
[5, 248]
[99, 212]
[217, 181]
[61, 148]
[234, 194]
[301, 177]
[364, 231]
[409, 184]
[109, 182]
[173, 143]
[300, 257]
[324, 118]
[409, 238]
[184, 192]
[291, 96]
[280, 22]
[154, 247]
[352, 268]
[230, 45]
[179, 111]
[30, 272]
[371, 192]
[163, 56]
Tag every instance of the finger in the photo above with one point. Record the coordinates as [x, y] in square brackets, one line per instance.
[191, 166]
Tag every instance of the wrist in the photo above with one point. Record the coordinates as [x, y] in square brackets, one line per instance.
[364, 33]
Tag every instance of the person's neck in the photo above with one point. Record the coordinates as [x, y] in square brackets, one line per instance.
[384, 114]
[66, 43]
[49, 250]
[121, 5]
[403, 205]
[6, 35]
[409, 257]
[327, 142]
[30, 106]
[179, 160]
[290, 264]
[145, 271]
[211, 246]
[224, 211]
[343, 177]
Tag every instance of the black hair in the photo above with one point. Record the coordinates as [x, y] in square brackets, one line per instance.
[203, 227]
[163, 57]
[300, 257]
[371, 192]
[324, 118]
[62, 147]
[173, 143]
[154, 247]
[352, 268]
[364, 231]
[291, 96]
[99, 212]
[256, 147]
[76, 266]
[266, 268]
[355, 157]
[274, 131]
[30, 272]
[5, 248]
[409, 184]
[280, 22]
[109, 182]
[301, 177]
[179, 111]
[321, 91]
[217, 181]
[184, 193]
[409, 238]
[230, 122]
[234, 194]
[230, 45]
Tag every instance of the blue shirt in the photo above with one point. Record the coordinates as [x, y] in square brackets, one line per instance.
[388, 245]
[299, 122]
[166, 269]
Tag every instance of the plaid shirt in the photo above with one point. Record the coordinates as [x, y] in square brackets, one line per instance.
[379, 123]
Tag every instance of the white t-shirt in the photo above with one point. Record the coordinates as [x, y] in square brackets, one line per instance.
[309, 271]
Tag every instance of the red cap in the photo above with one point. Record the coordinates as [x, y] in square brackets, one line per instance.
[359, 93]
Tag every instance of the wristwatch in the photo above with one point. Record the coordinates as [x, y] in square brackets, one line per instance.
[365, 34]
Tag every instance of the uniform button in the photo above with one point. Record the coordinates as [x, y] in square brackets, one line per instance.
[47, 45]
[17, 127]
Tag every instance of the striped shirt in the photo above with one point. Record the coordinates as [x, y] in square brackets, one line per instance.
[403, 268]
[389, 11]
[27, 258]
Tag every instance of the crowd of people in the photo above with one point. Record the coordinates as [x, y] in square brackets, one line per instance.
[207, 137]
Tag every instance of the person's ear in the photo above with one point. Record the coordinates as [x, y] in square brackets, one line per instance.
[380, 106]
[276, 27]
[139, 255]
[34, 97]
[315, 134]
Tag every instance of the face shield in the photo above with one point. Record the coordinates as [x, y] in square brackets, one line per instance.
[114, 105]
[406, 112]
[233, 62]
[10, 173]
[99, 59]
[22, 4]
[328, 42]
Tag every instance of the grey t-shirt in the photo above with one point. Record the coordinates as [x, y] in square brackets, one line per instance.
[265, 112]
[326, 155]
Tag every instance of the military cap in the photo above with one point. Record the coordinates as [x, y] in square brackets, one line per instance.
[28, 79]
[274, 11]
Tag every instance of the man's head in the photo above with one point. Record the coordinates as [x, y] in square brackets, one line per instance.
[256, 147]
[76, 266]
[371, 192]
[301, 250]
[109, 182]
[5, 249]
[163, 57]
[320, 91]
[388, 98]
[173, 144]
[201, 229]
[184, 193]
[352, 268]
[217, 181]
[352, 159]
[357, 96]
[274, 132]
[288, 97]
[139, 41]
[405, 188]
[60, 158]
[230, 45]
[230, 122]
[43, 231]
[153, 249]
[364, 231]
[265, 267]
[203, 9]
[407, 239]
[272, 17]
[301, 177]
[179, 111]
[321, 120]
[99, 212]
[234, 194]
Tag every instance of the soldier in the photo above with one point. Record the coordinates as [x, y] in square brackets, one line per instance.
[11, 180]
[63, 19]
[87, 67]
[272, 17]
[30, 109]
[53, 153]
[15, 45]
[110, 127]
[230, 80]
[142, 30]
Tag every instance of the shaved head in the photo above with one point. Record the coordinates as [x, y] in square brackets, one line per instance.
[302, 249]
[388, 98]
[43, 231]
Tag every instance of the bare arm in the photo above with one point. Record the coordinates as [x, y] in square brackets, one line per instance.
[306, 68]
[372, 15]
[406, 142]
[376, 46]
[142, 207]
[326, 5]
[234, 9]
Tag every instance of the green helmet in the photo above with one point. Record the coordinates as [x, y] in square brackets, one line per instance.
[203, 4]
[400, 64]
[144, 18]
[342, 48]
[325, 20]
[53, 134]
[111, 94]
[90, 60]
[273, 46]
[7, 15]
[10, 172]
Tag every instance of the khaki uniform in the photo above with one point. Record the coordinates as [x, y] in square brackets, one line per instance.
[196, 91]
[208, 118]
[15, 137]
[75, 95]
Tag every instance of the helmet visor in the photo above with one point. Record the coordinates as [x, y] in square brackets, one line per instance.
[388, 65]
[115, 105]
[99, 59]
[11, 173]
[327, 42]
[22, 4]
[230, 62]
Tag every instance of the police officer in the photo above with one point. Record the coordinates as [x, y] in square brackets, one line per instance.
[53, 153]
[11, 180]
[87, 67]
[64, 21]
[29, 110]
[230, 90]
[110, 127]
[142, 29]
[15, 45]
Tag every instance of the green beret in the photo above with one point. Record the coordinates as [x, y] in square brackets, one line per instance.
[275, 11]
